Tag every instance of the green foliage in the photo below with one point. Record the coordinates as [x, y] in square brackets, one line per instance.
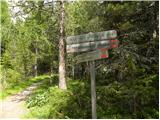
[9, 77]
[40, 78]
[58, 101]
[61, 104]
[70, 103]
[126, 101]
[116, 100]
[5, 17]
[37, 100]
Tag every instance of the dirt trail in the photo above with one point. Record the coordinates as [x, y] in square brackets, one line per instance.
[13, 106]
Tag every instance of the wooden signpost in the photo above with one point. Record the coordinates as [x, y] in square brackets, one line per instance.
[95, 46]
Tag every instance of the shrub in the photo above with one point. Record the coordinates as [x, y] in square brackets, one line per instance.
[9, 77]
[37, 100]
[71, 103]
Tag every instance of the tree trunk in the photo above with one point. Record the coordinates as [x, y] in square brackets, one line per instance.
[134, 106]
[156, 19]
[35, 67]
[51, 70]
[73, 73]
[62, 71]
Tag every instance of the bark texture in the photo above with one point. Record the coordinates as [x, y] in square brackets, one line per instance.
[62, 71]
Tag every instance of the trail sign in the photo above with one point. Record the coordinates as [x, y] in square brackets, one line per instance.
[88, 46]
[90, 37]
[94, 55]
[97, 44]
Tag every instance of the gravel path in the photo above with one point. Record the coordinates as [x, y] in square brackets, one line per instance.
[13, 106]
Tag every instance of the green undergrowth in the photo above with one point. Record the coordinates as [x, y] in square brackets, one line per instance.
[19, 86]
[48, 101]
[115, 100]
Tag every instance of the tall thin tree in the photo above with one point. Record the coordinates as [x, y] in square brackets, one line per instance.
[62, 71]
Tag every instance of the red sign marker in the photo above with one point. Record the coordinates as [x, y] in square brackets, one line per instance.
[103, 49]
[104, 56]
[114, 46]
[104, 53]
[113, 41]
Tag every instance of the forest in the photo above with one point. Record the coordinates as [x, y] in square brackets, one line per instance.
[33, 52]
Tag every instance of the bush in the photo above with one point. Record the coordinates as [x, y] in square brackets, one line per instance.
[9, 77]
[71, 103]
[115, 100]
[37, 100]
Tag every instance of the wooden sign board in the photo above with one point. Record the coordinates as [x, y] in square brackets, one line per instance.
[94, 55]
[90, 37]
[89, 46]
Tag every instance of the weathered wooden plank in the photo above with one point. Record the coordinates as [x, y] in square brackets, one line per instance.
[105, 35]
[94, 55]
[83, 47]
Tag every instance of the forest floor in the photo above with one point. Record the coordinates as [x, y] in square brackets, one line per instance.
[14, 105]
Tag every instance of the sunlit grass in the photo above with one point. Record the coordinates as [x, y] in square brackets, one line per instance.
[17, 87]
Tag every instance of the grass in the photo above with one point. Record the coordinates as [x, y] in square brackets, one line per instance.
[17, 87]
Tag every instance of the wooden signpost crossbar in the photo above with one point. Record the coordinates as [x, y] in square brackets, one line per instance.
[90, 37]
[88, 46]
[97, 45]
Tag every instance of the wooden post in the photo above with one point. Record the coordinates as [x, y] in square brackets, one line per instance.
[93, 89]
